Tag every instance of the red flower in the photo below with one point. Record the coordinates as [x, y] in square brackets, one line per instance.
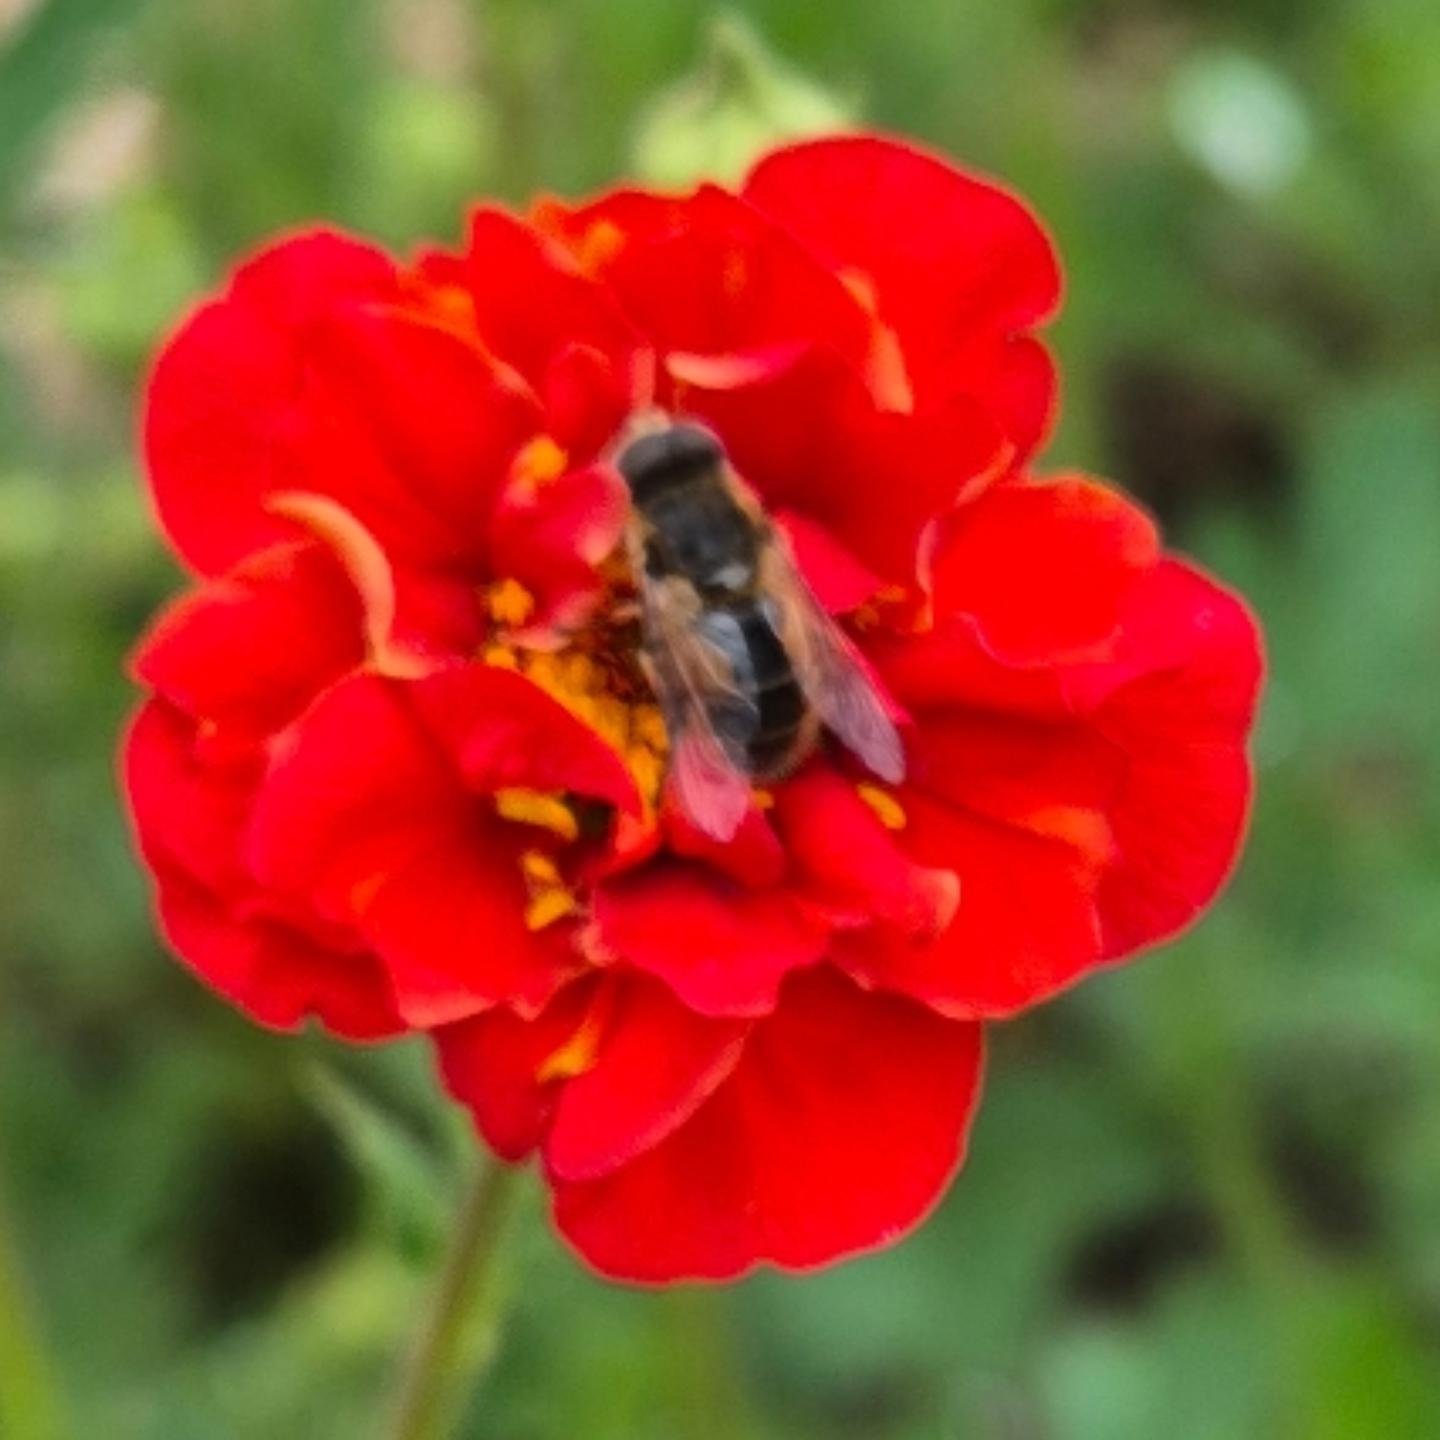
[400, 769]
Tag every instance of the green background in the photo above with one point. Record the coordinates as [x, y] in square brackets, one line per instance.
[1204, 1194]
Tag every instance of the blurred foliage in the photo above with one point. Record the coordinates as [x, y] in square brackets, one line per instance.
[1203, 1193]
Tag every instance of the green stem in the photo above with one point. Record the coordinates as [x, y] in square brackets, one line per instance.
[706, 1387]
[457, 1340]
[29, 1408]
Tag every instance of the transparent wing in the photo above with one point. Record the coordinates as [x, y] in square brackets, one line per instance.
[835, 679]
[708, 720]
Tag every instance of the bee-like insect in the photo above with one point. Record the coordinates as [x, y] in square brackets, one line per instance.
[747, 666]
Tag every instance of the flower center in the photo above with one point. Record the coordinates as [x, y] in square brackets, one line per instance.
[596, 676]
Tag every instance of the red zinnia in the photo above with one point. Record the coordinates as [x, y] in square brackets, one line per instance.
[400, 769]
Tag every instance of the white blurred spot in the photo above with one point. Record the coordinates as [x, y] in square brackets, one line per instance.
[1240, 120]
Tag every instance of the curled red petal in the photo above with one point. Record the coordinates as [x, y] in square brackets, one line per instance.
[189, 818]
[836, 1133]
[587, 396]
[1015, 378]
[225, 388]
[417, 618]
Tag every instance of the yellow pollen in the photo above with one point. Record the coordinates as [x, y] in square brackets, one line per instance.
[578, 1053]
[549, 906]
[539, 869]
[583, 682]
[539, 462]
[578, 672]
[872, 614]
[602, 243]
[887, 808]
[502, 656]
[535, 807]
[648, 768]
[647, 727]
[611, 717]
[510, 603]
[549, 900]
[764, 799]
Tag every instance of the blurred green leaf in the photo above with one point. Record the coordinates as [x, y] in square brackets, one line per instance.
[410, 1189]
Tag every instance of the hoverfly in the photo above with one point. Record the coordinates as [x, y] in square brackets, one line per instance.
[747, 666]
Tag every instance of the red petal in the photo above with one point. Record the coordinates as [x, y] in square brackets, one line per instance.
[224, 391]
[840, 582]
[503, 730]
[293, 282]
[356, 790]
[1025, 927]
[1051, 778]
[948, 668]
[444, 419]
[851, 865]
[188, 816]
[949, 256]
[1043, 570]
[494, 1064]
[708, 274]
[753, 856]
[1189, 660]
[587, 396]
[532, 301]
[416, 618]
[1014, 377]
[449, 923]
[656, 1065]
[273, 973]
[249, 651]
[552, 537]
[722, 948]
[1181, 812]
[839, 1128]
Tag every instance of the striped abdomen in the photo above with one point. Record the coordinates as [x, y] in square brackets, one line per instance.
[780, 725]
